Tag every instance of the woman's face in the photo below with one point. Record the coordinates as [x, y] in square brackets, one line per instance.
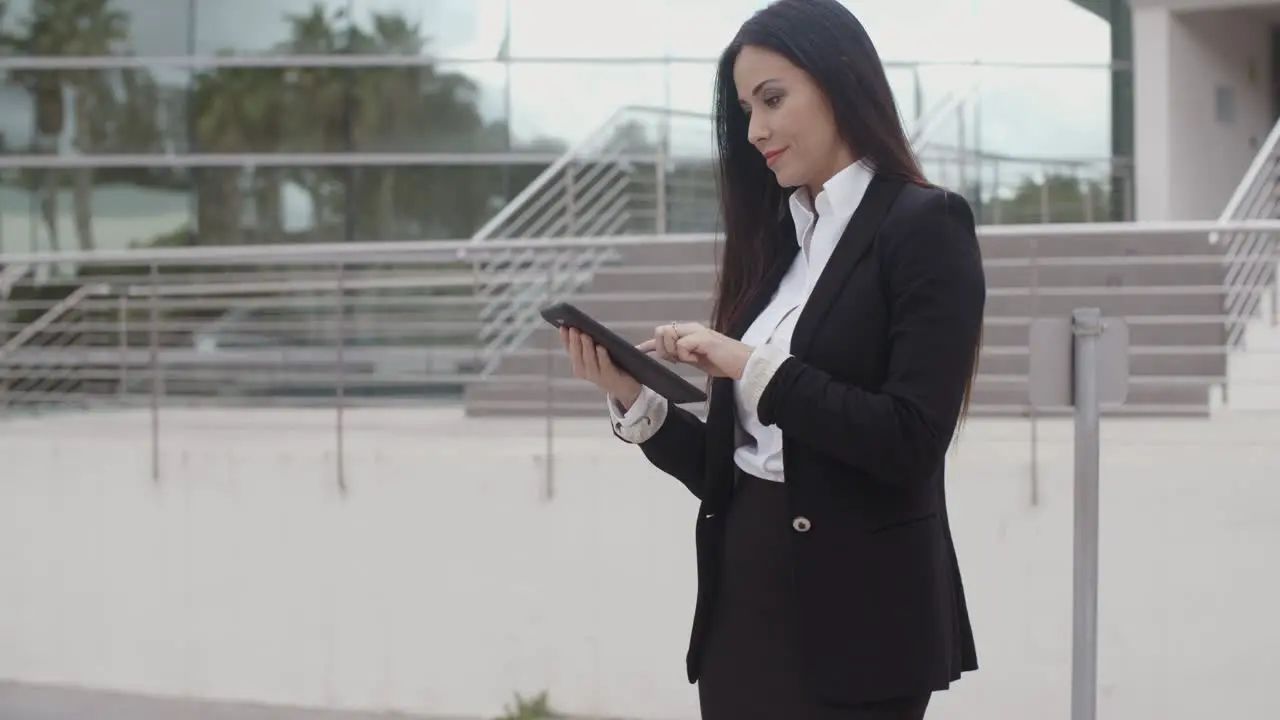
[790, 119]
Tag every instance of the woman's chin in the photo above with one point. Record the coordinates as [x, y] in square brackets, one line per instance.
[785, 179]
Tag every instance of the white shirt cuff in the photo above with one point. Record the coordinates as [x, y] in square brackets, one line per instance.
[642, 421]
[761, 367]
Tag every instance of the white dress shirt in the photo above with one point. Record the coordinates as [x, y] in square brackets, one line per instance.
[819, 223]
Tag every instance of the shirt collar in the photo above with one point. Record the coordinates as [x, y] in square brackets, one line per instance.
[839, 198]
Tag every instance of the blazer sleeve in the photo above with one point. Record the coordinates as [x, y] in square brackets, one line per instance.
[936, 292]
[673, 439]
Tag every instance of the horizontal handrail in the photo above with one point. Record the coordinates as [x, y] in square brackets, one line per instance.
[465, 251]
[378, 60]
[406, 158]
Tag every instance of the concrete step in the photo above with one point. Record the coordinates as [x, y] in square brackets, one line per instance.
[1105, 275]
[1140, 363]
[993, 361]
[615, 307]
[701, 253]
[1143, 332]
[702, 278]
[993, 245]
[1118, 245]
[1150, 397]
[580, 398]
[1119, 303]
[999, 332]
[559, 365]
[654, 279]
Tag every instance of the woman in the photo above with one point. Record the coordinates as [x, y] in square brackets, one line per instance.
[842, 348]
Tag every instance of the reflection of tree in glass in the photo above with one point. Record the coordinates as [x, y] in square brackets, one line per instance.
[1058, 199]
[69, 28]
[418, 108]
[317, 109]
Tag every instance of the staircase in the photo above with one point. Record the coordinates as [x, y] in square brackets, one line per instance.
[1173, 310]
[645, 171]
[641, 172]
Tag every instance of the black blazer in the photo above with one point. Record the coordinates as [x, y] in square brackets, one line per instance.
[868, 406]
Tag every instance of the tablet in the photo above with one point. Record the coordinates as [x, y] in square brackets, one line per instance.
[648, 370]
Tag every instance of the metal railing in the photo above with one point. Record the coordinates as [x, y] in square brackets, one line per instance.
[372, 324]
[606, 185]
[1251, 255]
[586, 192]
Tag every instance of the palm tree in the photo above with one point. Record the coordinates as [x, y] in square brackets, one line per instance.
[237, 110]
[326, 109]
[70, 28]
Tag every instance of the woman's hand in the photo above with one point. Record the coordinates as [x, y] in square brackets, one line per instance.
[692, 344]
[592, 363]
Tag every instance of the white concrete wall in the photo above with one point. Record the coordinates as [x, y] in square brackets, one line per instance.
[443, 581]
[1187, 161]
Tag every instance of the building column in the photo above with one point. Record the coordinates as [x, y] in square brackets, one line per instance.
[1153, 103]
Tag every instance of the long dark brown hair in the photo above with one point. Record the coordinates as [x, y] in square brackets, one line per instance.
[823, 38]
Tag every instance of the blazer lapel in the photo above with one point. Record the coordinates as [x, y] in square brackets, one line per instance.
[853, 246]
[721, 424]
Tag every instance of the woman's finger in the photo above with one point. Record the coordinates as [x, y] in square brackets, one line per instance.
[575, 353]
[605, 363]
[590, 365]
[669, 340]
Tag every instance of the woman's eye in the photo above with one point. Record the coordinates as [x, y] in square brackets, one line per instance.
[773, 101]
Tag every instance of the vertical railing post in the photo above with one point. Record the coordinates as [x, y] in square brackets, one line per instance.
[995, 193]
[1087, 328]
[153, 351]
[122, 342]
[341, 380]
[660, 174]
[1033, 250]
[4, 358]
[1045, 208]
[1275, 282]
[549, 438]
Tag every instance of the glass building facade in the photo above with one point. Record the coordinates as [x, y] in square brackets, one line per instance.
[142, 123]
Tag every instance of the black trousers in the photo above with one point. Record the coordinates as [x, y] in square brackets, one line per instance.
[751, 665]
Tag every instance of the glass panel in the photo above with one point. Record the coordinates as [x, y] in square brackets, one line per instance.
[1055, 112]
[119, 208]
[59, 27]
[922, 30]
[1050, 114]
[594, 29]
[453, 29]
[443, 28]
[334, 204]
[907, 89]
[429, 202]
[93, 208]
[563, 103]
[392, 109]
[269, 26]
[93, 111]
[445, 108]
[692, 86]
[703, 29]
[1060, 32]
